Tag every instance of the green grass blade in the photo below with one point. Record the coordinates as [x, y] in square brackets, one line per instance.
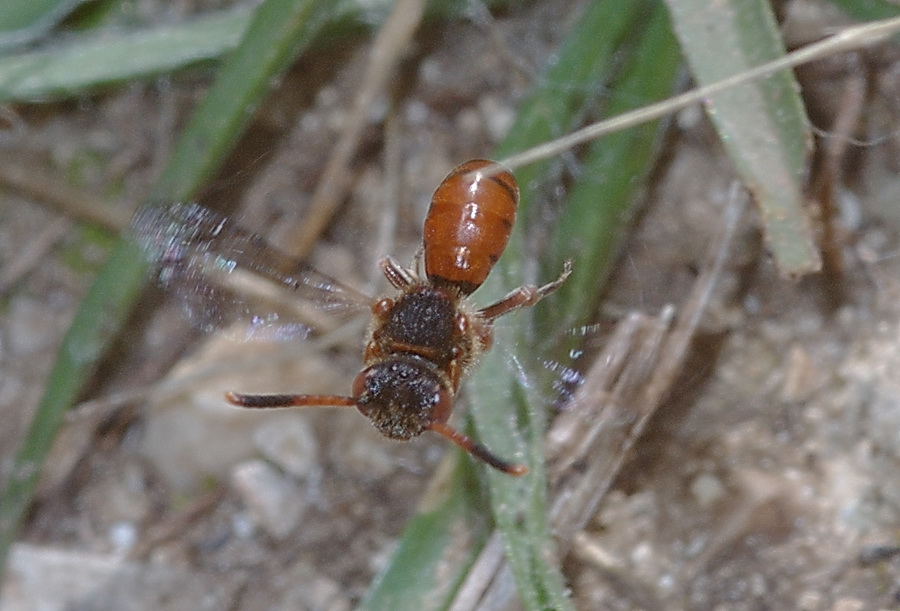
[94, 60]
[598, 208]
[868, 10]
[280, 28]
[24, 20]
[97, 58]
[606, 189]
[567, 86]
[98, 318]
[763, 125]
[437, 546]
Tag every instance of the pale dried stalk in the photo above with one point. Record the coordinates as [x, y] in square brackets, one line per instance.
[848, 39]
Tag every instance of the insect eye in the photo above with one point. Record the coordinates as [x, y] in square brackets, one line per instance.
[359, 384]
[443, 406]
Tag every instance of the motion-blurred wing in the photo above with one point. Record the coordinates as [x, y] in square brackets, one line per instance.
[223, 274]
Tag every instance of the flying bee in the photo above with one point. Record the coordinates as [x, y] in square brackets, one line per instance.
[422, 340]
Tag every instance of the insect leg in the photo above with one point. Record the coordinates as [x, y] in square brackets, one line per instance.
[397, 275]
[266, 401]
[477, 450]
[524, 296]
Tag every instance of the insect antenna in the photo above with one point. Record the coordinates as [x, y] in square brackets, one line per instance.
[275, 401]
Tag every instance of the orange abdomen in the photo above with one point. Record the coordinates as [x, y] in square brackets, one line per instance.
[468, 225]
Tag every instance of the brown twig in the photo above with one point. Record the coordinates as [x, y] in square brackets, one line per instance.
[834, 148]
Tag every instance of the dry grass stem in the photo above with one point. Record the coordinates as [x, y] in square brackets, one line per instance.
[848, 39]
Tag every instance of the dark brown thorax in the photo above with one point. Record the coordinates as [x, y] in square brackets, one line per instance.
[423, 340]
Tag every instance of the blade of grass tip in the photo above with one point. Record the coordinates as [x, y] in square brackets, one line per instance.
[868, 10]
[21, 22]
[584, 63]
[763, 124]
[91, 60]
[600, 202]
[280, 29]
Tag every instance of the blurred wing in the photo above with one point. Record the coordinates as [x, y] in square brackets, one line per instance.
[223, 274]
